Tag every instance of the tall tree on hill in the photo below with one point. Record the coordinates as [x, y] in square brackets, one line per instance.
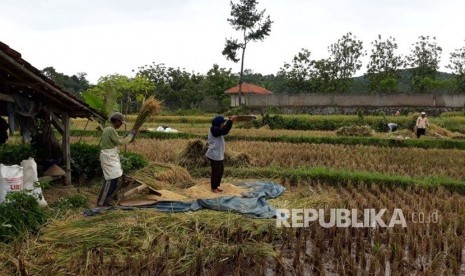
[345, 56]
[457, 65]
[252, 24]
[384, 66]
[424, 60]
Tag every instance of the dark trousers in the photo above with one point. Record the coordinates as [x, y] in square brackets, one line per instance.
[420, 132]
[108, 191]
[217, 173]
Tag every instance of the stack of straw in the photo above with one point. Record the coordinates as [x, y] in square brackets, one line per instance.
[150, 107]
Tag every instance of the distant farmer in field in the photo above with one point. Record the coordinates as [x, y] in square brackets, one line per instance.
[392, 127]
[110, 160]
[3, 131]
[264, 121]
[215, 151]
[422, 123]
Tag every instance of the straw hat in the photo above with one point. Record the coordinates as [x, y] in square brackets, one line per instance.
[54, 171]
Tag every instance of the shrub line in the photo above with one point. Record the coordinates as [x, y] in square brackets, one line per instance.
[368, 141]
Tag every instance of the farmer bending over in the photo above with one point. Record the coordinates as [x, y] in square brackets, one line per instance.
[215, 151]
[109, 159]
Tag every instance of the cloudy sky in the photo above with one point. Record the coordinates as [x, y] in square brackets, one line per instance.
[101, 37]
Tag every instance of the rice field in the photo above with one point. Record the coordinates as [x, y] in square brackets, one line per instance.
[146, 242]
[396, 161]
[207, 242]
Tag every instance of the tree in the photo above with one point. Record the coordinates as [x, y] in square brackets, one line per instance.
[457, 65]
[307, 75]
[185, 89]
[345, 59]
[113, 89]
[174, 86]
[105, 95]
[424, 60]
[298, 74]
[252, 24]
[323, 75]
[141, 88]
[75, 83]
[383, 70]
[216, 82]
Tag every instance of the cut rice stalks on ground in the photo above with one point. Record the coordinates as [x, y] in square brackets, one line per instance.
[193, 156]
[164, 176]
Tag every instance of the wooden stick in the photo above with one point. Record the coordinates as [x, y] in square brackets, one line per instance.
[141, 184]
[137, 189]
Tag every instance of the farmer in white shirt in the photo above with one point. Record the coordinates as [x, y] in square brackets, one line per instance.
[422, 123]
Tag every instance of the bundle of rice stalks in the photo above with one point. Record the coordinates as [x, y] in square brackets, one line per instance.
[193, 156]
[364, 131]
[441, 131]
[161, 176]
[150, 107]
[245, 118]
[237, 159]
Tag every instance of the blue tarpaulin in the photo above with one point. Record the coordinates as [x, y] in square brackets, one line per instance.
[253, 203]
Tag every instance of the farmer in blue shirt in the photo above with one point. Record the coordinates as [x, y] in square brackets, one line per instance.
[215, 152]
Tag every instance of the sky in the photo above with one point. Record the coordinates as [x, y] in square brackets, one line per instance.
[103, 37]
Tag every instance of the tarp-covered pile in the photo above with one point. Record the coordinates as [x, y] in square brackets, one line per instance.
[253, 202]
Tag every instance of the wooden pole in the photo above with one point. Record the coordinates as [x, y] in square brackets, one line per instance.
[66, 147]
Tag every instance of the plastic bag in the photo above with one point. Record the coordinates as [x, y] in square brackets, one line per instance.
[30, 179]
[11, 180]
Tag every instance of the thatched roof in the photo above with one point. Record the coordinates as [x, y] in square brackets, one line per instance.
[248, 88]
[18, 76]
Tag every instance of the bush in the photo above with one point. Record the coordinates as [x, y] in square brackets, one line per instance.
[14, 154]
[71, 202]
[333, 122]
[132, 161]
[86, 163]
[85, 160]
[19, 214]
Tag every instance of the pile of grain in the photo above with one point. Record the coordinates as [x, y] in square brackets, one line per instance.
[203, 190]
[237, 159]
[167, 195]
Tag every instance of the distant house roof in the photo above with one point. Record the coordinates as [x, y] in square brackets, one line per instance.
[18, 76]
[248, 88]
